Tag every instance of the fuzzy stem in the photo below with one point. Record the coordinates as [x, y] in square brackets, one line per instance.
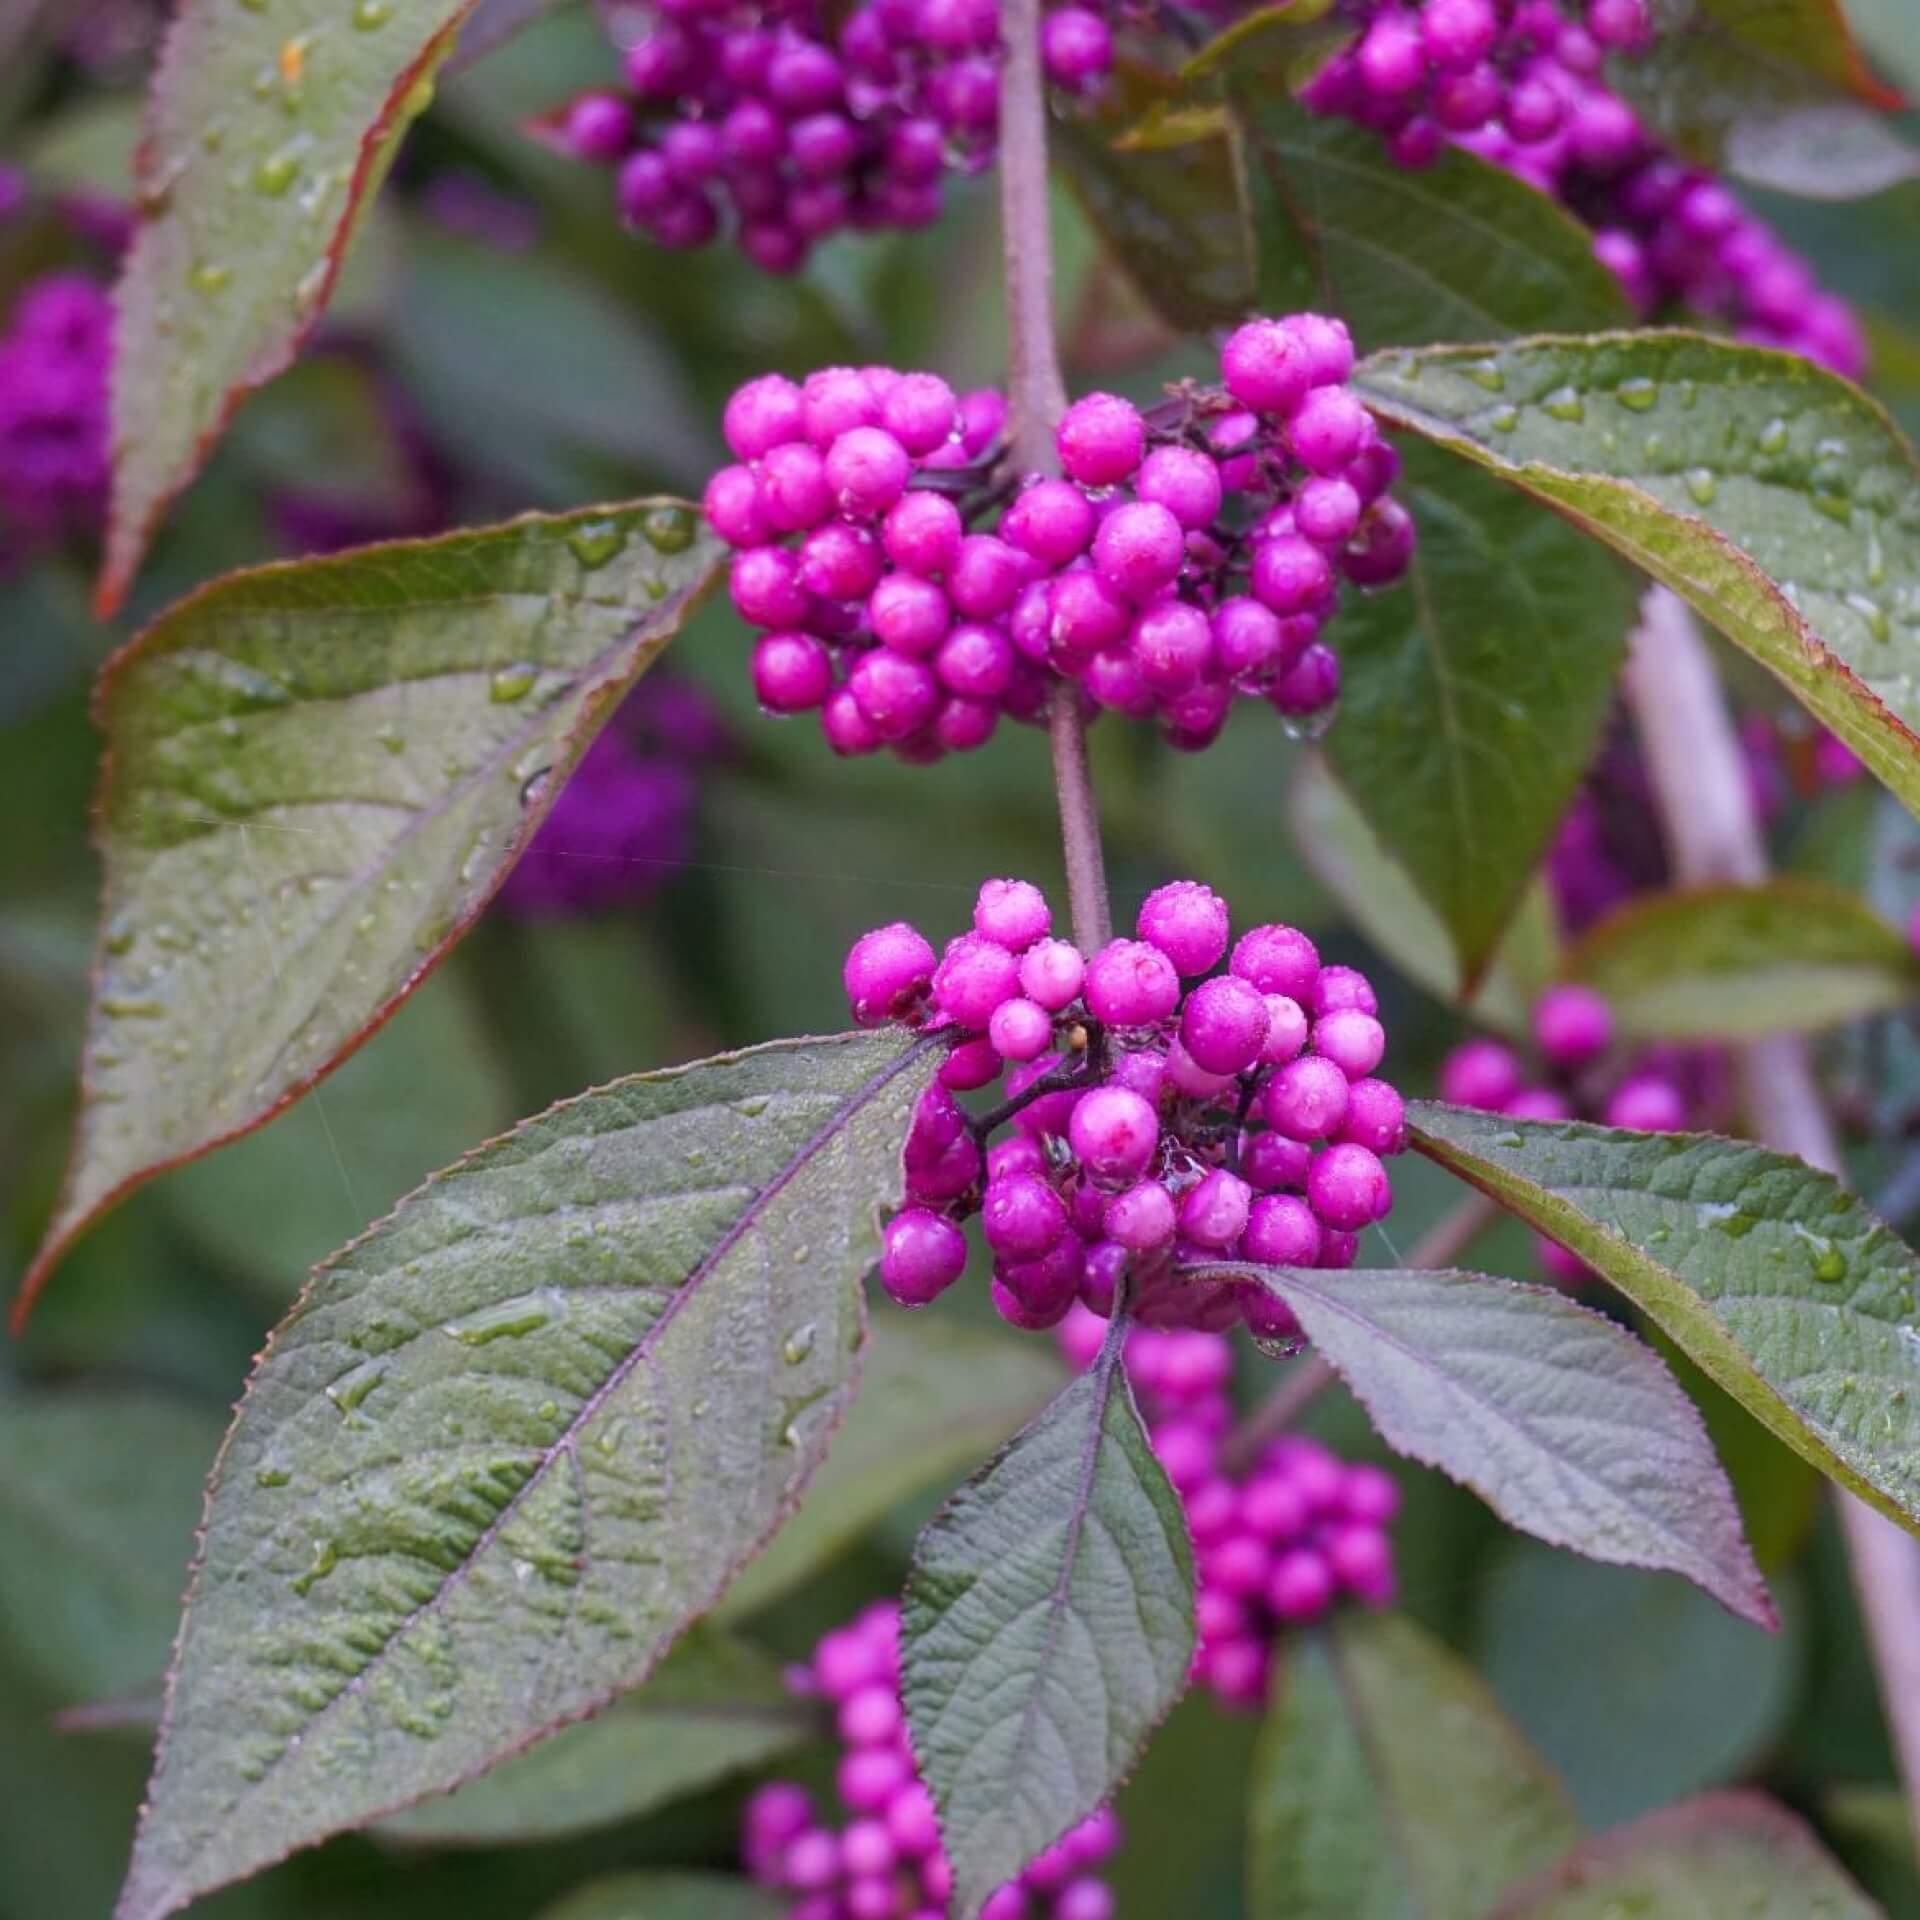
[1308, 1376]
[1702, 796]
[1038, 397]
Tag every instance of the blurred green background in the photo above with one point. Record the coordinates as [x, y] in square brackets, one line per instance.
[500, 343]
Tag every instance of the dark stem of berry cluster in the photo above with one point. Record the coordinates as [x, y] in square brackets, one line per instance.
[1038, 396]
[1704, 801]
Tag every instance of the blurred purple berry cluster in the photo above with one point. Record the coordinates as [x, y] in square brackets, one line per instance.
[886, 1862]
[54, 459]
[623, 824]
[1523, 83]
[1159, 1113]
[1183, 557]
[1276, 1548]
[1581, 1074]
[790, 121]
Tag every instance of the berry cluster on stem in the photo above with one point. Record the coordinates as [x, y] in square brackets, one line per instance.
[1180, 559]
[1157, 1110]
[886, 1861]
[54, 462]
[1276, 1548]
[1523, 83]
[790, 124]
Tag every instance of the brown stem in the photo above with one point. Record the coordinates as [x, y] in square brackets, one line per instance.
[1038, 396]
[1306, 1377]
[1702, 796]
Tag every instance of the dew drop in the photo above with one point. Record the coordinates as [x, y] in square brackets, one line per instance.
[351, 1389]
[1512, 1142]
[370, 14]
[1701, 486]
[799, 1344]
[278, 171]
[597, 544]
[1485, 373]
[209, 277]
[753, 1106]
[505, 1320]
[533, 789]
[1564, 404]
[512, 683]
[549, 1409]
[1874, 614]
[1830, 1266]
[669, 529]
[1640, 394]
[1505, 420]
[272, 1477]
[1773, 437]
[326, 1556]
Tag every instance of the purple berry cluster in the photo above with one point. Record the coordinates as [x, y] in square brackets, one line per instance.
[1277, 1549]
[1181, 558]
[623, 824]
[54, 358]
[886, 1862]
[1522, 83]
[793, 125]
[1159, 1113]
[1582, 1076]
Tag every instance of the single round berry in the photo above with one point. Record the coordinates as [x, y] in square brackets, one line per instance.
[1223, 1025]
[1131, 984]
[889, 974]
[1573, 1025]
[1114, 1133]
[1100, 440]
[1188, 923]
[1349, 1188]
[922, 1254]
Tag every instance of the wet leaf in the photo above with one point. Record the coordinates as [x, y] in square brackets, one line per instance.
[511, 1442]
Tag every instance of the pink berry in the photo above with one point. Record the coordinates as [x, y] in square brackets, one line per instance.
[974, 976]
[1480, 1073]
[1100, 440]
[1012, 913]
[1354, 1041]
[1647, 1103]
[889, 974]
[1573, 1025]
[1114, 1133]
[1188, 923]
[1020, 1029]
[1281, 1231]
[1265, 367]
[922, 1254]
[1131, 984]
[1349, 1187]
[1307, 1099]
[1214, 1213]
[1277, 960]
[1223, 1025]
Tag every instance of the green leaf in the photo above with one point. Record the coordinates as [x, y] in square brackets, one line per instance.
[1566, 1425]
[317, 775]
[1773, 90]
[268, 129]
[1771, 1277]
[1461, 250]
[1046, 1629]
[718, 1706]
[1474, 697]
[1775, 498]
[509, 1443]
[1341, 850]
[668, 1896]
[1724, 1853]
[99, 1493]
[1670, 1695]
[393, 1113]
[1736, 963]
[1172, 214]
[1388, 1784]
[934, 1399]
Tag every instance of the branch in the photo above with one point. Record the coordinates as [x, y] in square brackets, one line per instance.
[1702, 796]
[1038, 396]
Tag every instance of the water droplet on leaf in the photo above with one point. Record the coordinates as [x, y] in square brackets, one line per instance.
[1641, 394]
[512, 683]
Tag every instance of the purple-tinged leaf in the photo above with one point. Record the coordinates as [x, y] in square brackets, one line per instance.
[512, 1441]
[268, 130]
[1724, 1853]
[1566, 1425]
[1046, 1629]
[1765, 1272]
[317, 774]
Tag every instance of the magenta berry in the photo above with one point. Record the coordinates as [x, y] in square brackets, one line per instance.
[1151, 1126]
[889, 974]
[1100, 440]
[1572, 1025]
